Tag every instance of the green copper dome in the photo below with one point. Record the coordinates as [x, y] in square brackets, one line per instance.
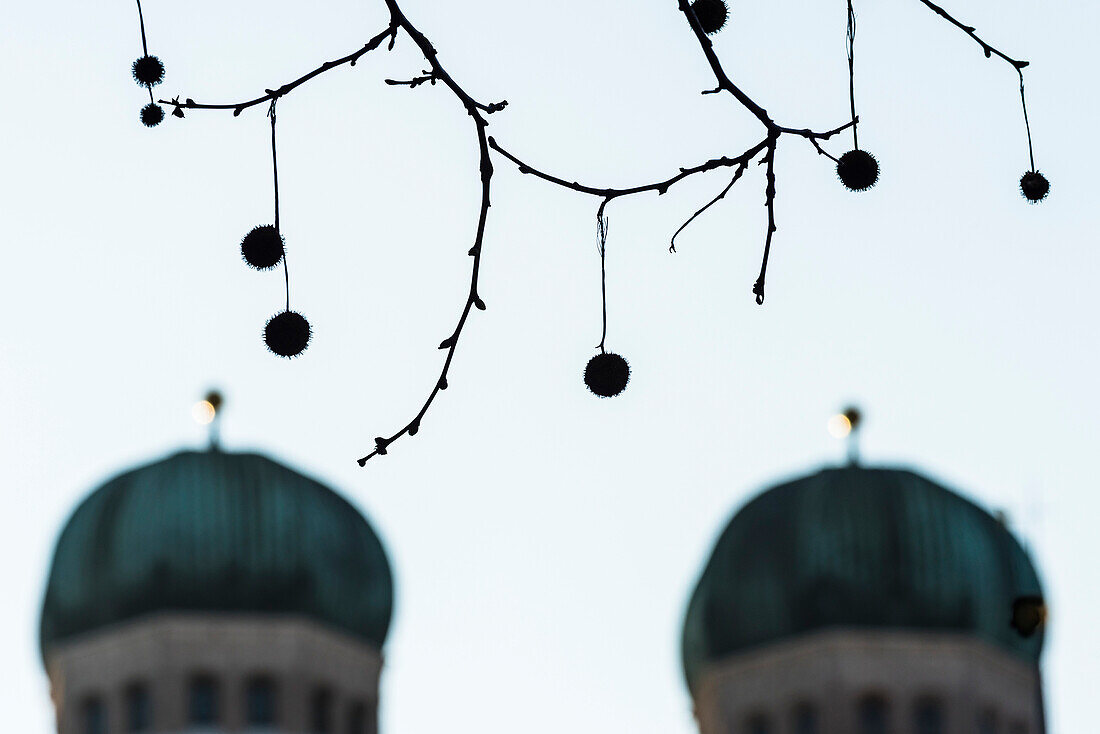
[857, 548]
[216, 532]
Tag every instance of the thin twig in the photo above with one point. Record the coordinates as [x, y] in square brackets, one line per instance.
[821, 151]
[238, 107]
[612, 193]
[724, 81]
[475, 109]
[1018, 64]
[769, 195]
[736, 175]
[969, 30]
[413, 83]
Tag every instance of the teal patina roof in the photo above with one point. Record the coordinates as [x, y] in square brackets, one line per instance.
[216, 532]
[857, 548]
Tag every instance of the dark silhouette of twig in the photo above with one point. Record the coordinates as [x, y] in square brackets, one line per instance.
[238, 107]
[969, 30]
[769, 196]
[822, 151]
[769, 143]
[724, 82]
[477, 111]
[736, 175]
[415, 82]
[613, 193]
[1018, 64]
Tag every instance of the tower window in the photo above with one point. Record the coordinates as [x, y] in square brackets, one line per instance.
[758, 724]
[805, 719]
[872, 715]
[321, 711]
[203, 701]
[928, 716]
[95, 716]
[260, 702]
[138, 714]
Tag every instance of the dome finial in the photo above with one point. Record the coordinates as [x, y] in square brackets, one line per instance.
[206, 412]
[846, 425]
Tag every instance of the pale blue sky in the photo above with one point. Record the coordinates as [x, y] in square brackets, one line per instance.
[544, 542]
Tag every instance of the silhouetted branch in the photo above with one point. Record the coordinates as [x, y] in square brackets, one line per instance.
[736, 175]
[473, 300]
[271, 94]
[381, 443]
[1017, 64]
[769, 195]
[413, 83]
[436, 74]
[811, 135]
[969, 30]
[611, 193]
[431, 56]
[724, 82]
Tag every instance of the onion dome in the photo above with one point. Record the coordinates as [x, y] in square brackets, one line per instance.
[856, 548]
[214, 532]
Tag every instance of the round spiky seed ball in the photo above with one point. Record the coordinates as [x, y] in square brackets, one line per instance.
[287, 334]
[712, 15]
[1028, 614]
[1034, 186]
[262, 247]
[607, 374]
[151, 115]
[858, 170]
[148, 71]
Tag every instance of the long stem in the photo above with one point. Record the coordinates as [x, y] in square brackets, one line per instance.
[144, 45]
[601, 242]
[1027, 125]
[275, 176]
[852, 70]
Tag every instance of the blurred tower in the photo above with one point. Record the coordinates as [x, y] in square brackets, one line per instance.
[216, 592]
[865, 601]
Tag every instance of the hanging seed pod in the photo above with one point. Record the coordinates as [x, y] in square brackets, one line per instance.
[1034, 186]
[148, 71]
[262, 247]
[607, 374]
[287, 334]
[857, 170]
[712, 15]
[152, 115]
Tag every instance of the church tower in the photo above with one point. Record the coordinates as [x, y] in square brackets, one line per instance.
[216, 592]
[865, 601]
